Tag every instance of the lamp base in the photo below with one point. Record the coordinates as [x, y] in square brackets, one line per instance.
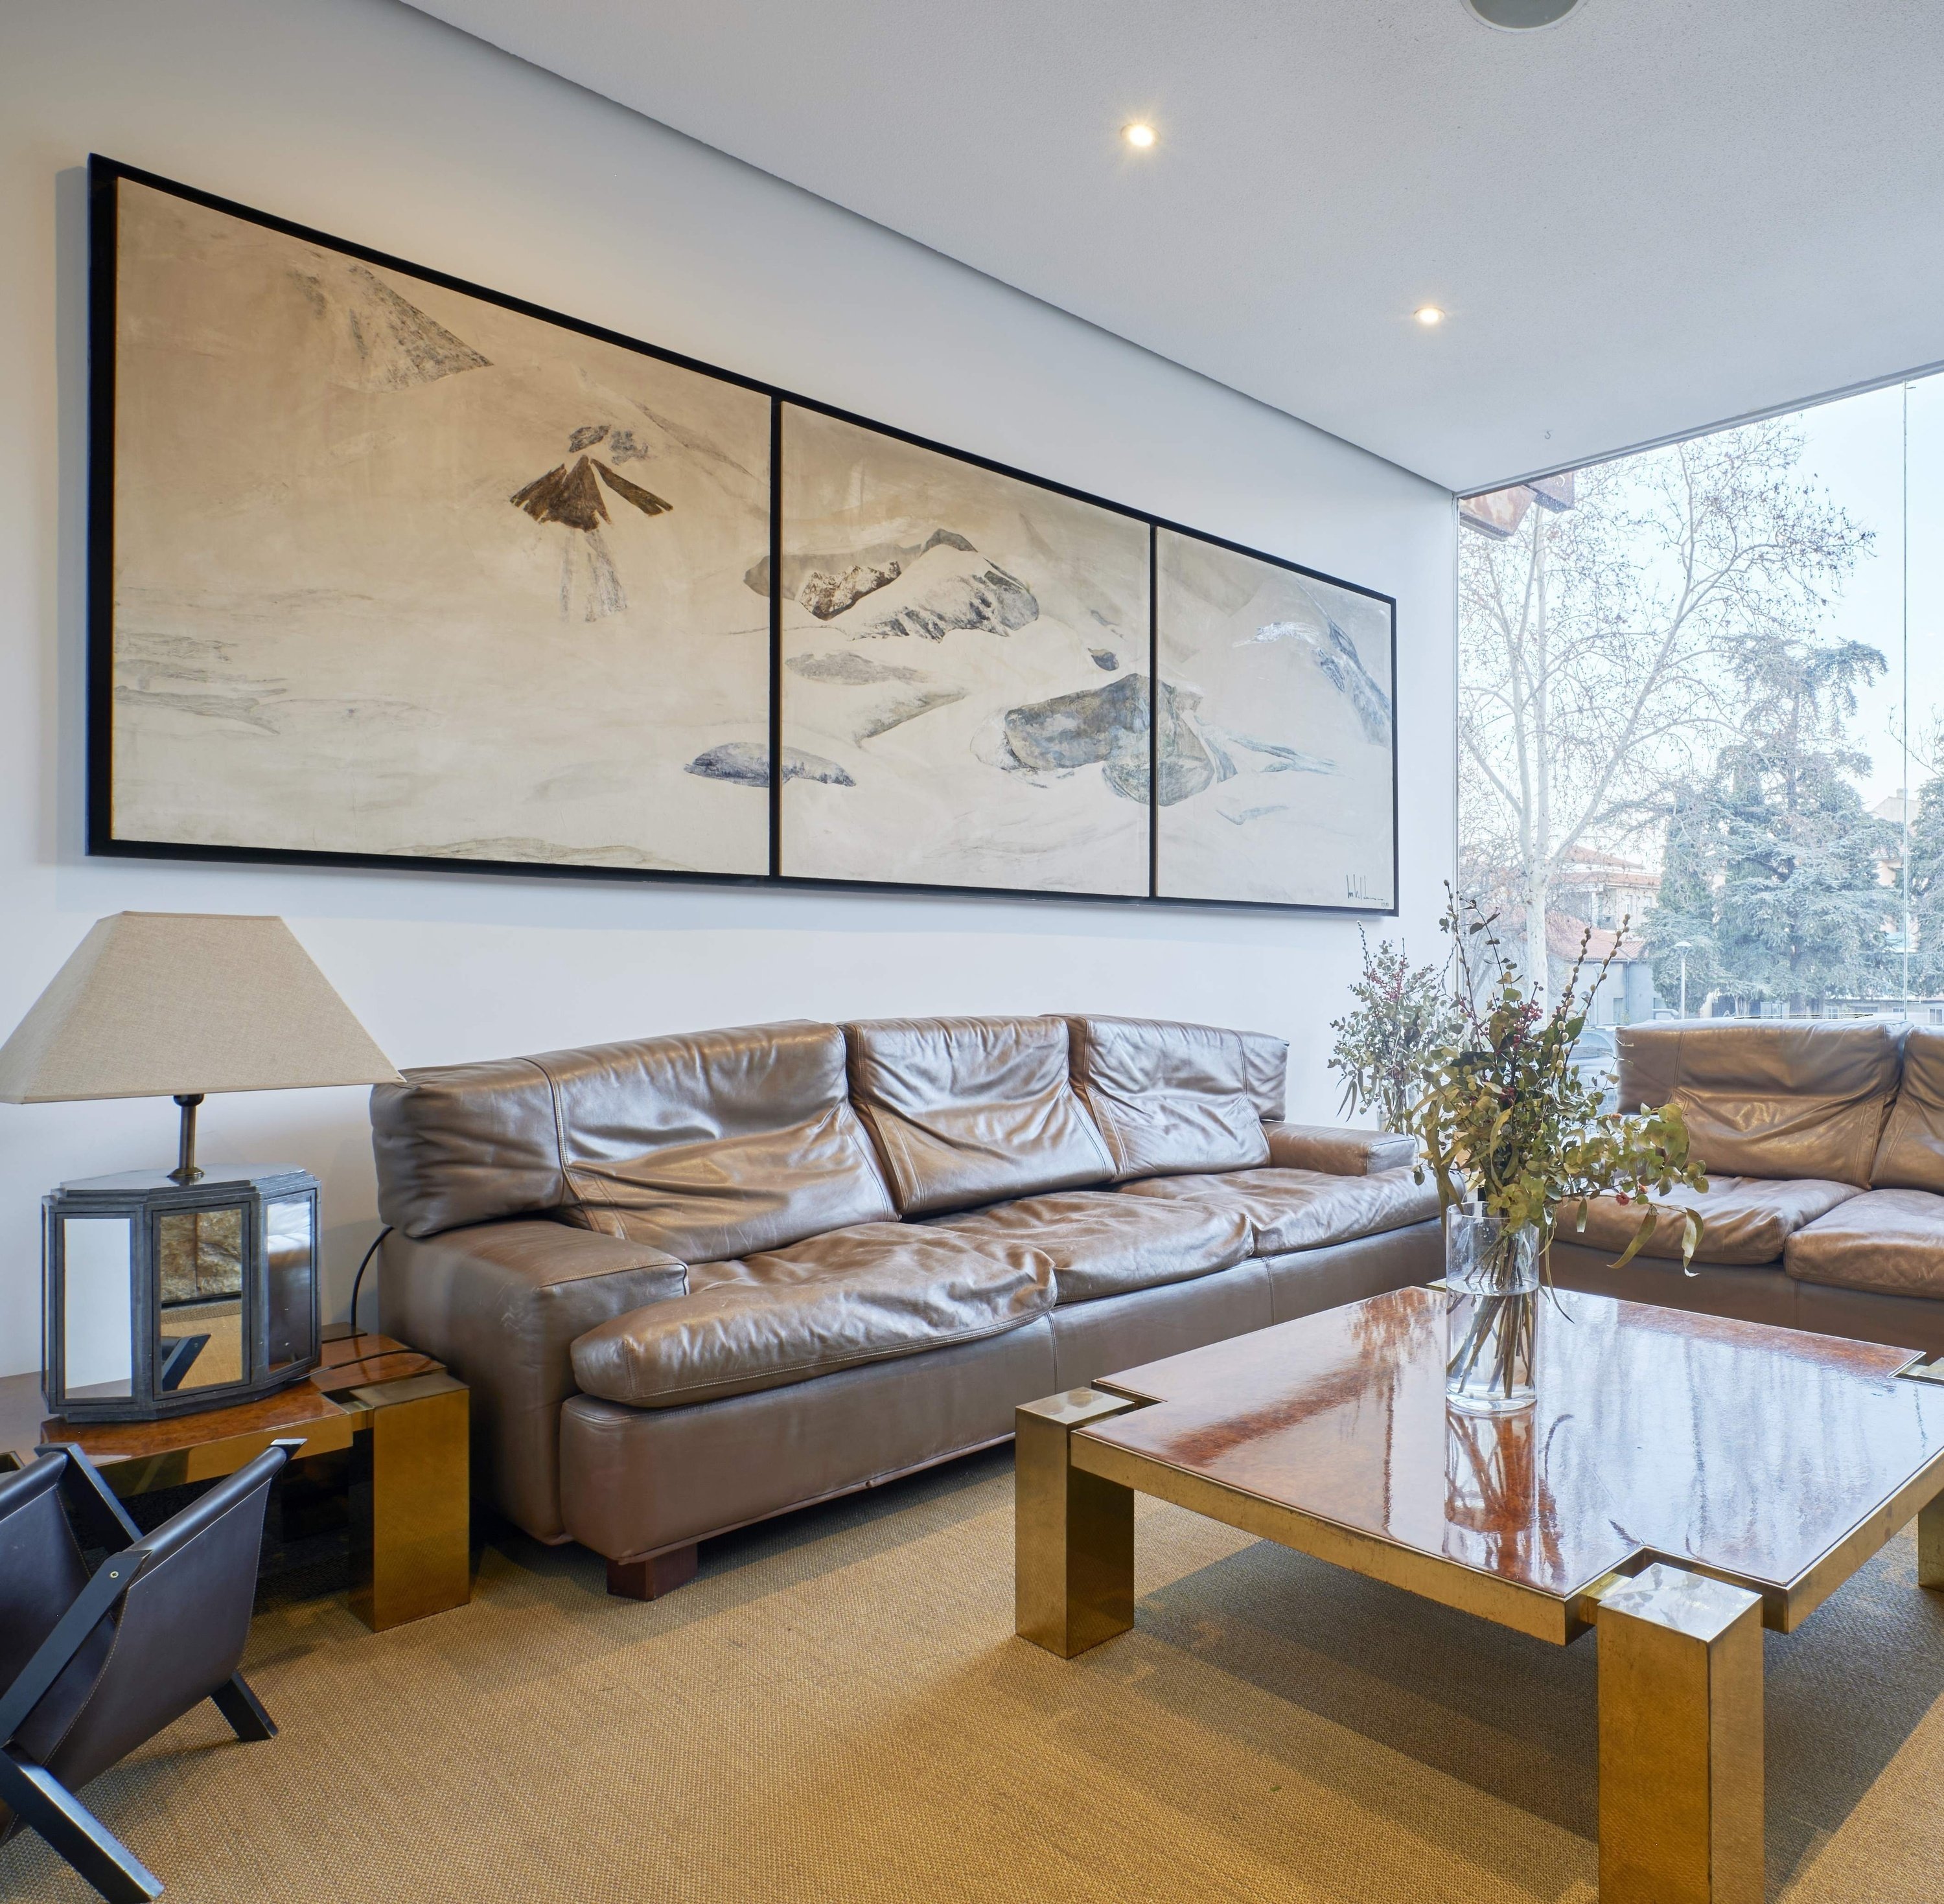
[166, 1297]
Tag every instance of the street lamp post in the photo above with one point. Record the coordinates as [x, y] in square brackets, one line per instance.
[1683, 948]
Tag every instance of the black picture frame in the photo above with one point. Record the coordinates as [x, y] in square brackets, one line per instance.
[101, 839]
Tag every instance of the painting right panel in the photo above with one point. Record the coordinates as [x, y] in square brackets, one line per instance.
[1274, 737]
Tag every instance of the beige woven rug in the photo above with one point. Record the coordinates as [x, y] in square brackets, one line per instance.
[837, 1710]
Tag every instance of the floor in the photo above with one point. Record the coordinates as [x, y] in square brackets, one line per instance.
[837, 1710]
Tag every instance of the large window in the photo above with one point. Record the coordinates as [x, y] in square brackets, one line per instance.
[1701, 698]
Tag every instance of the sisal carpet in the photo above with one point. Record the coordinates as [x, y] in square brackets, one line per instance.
[837, 1710]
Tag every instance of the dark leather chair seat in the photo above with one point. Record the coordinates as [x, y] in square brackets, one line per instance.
[1103, 1243]
[1302, 1209]
[93, 1664]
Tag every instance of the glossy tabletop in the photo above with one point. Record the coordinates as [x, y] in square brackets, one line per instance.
[1776, 1459]
[324, 1411]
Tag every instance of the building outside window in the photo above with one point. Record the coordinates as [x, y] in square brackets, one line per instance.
[1701, 702]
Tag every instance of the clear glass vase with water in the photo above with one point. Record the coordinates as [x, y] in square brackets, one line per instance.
[1491, 1312]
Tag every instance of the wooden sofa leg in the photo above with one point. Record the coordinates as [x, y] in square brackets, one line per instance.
[650, 1578]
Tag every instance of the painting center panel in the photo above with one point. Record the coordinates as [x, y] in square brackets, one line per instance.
[966, 699]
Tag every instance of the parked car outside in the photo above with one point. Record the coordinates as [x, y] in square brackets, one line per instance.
[1596, 1058]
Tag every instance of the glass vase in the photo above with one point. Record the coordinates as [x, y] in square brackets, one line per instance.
[1491, 1313]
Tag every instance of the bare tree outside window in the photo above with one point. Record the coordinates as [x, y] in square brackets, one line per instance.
[1612, 626]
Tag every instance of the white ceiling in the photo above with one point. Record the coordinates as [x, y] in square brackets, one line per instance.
[1656, 215]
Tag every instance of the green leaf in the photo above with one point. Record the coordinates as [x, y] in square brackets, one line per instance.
[1640, 1236]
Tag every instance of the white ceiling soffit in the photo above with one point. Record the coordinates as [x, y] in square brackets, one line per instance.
[1655, 215]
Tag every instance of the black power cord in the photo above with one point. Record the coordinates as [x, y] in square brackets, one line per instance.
[357, 1281]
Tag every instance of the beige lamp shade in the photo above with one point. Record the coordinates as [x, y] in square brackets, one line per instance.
[164, 1004]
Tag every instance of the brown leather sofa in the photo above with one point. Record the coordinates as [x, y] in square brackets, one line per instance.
[1824, 1144]
[695, 1281]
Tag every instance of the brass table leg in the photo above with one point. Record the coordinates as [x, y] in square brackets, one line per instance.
[410, 1500]
[1073, 1543]
[1930, 1543]
[1680, 1741]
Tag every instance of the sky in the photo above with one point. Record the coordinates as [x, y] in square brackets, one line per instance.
[1855, 450]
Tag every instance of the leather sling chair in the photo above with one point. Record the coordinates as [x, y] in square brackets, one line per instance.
[92, 1667]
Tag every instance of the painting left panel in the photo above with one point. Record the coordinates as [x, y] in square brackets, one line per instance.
[399, 570]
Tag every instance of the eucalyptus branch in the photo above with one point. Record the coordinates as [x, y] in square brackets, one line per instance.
[1403, 1018]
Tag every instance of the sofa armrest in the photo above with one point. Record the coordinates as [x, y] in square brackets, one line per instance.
[1336, 1151]
[501, 1304]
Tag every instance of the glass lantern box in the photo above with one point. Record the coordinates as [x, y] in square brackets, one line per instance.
[161, 1297]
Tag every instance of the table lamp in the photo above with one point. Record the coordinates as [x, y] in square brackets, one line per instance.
[168, 1291]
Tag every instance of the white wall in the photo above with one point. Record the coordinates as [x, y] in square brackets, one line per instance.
[372, 122]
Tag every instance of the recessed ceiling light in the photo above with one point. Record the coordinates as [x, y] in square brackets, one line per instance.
[1138, 134]
[1428, 314]
[1516, 15]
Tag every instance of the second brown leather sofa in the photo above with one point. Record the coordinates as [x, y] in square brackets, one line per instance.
[696, 1280]
[1824, 1144]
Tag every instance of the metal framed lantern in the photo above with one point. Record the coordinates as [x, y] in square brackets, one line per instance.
[164, 1297]
[171, 1291]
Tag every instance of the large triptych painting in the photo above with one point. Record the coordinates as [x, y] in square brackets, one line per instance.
[1277, 745]
[386, 568]
[965, 659]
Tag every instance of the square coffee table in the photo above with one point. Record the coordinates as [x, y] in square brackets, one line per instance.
[1683, 1481]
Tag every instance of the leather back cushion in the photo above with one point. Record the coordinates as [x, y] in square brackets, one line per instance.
[1265, 1073]
[461, 1144]
[1779, 1098]
[1911, 1155]
[1169, 1098]
[967, 1111]
[706, 1145]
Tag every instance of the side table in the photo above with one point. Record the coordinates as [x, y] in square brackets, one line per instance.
[403, 1418]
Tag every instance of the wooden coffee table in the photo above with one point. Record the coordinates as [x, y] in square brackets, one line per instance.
[1683, 1481]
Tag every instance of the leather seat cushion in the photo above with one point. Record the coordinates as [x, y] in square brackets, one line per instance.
[1169, 1098]
[1746, 1219]
[1103, 1244]
[1888, 1241]
[1303, 1209]
[967, 1111]
[861, 1294]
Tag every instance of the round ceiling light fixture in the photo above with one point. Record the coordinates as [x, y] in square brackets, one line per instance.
[1428, 314]
[1138, 134]
[1516, 16]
